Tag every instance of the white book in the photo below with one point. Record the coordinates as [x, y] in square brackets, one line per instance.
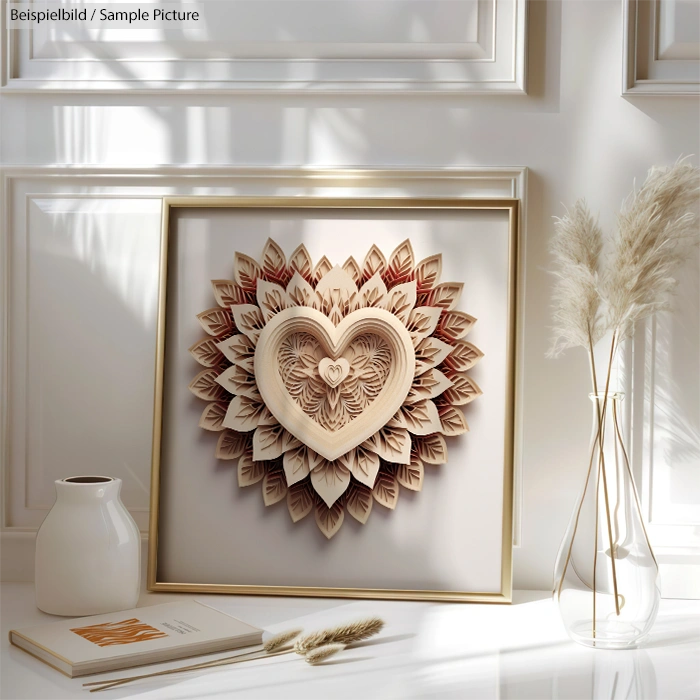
[128, 638]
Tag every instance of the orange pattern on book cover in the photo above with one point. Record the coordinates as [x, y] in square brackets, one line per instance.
[125, 632]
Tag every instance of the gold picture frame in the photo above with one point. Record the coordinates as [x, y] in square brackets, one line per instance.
[511, 207]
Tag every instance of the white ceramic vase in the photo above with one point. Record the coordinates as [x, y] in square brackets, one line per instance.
[88, 550]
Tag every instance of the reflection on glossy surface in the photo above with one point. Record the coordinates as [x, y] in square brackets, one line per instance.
[631, 676]
[542, 675]
[524, 652]
[460, 652]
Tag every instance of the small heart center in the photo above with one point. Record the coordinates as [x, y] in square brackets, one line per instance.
[333, 372]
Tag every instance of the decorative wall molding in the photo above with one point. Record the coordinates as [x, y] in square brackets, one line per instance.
[394, 46]
[51, 191]
[661, 47]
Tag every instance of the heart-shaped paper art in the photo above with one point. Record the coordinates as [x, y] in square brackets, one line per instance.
[334, 385]
[333, 372]
[327, 437]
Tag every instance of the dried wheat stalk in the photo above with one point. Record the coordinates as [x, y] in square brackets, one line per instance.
[320, 654]
[281, 640]
[334, 639]
[273, 647]
[343, 634]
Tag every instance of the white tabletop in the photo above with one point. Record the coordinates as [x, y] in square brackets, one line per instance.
[426, 651]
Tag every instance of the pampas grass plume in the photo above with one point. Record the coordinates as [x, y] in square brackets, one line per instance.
[657, 228]
[576, 248]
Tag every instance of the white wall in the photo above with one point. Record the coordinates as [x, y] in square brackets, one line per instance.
[574, 132]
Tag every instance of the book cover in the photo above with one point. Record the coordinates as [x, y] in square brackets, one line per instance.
[128, 638]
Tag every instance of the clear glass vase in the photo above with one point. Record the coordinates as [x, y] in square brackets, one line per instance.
[606, 576]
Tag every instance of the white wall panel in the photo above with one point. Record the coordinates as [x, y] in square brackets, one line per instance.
[679, 30]
[91, 305]
[661, 47]
[476, 46]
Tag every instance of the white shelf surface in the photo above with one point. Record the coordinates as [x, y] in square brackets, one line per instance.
[427, 650]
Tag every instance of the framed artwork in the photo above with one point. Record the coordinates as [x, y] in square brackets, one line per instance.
[661, 47]
[334, 404]
[120, 217]
[385, 46]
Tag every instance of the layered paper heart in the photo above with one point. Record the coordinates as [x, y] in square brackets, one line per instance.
[333, 371]
[312, 406]
[334, 385]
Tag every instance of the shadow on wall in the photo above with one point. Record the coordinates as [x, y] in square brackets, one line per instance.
[666, 109]
[91, 311]
[673, 384]
[262, 129]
